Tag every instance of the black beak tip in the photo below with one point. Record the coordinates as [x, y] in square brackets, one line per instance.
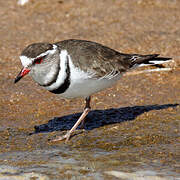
[17, 79]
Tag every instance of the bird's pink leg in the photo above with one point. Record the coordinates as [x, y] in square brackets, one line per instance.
[80, 120]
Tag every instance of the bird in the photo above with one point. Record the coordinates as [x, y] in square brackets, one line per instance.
[75, 68]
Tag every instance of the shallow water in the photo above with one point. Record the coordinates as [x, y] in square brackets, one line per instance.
[68, 163]
[133, 130]
[111, 150]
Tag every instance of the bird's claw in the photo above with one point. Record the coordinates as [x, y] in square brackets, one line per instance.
[60, 138]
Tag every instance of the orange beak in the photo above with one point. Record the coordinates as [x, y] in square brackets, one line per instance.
[22, 73]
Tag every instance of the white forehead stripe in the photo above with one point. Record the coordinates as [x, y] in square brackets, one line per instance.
[52, 51]
[26, 61]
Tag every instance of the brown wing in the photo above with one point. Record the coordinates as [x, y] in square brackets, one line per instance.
[94, 57]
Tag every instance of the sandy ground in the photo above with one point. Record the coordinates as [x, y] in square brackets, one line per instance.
[136, 125]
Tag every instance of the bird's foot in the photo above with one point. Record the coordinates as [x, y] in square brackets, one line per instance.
[60, 138]
[68, 135]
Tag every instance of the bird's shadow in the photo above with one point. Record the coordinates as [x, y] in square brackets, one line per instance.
[98, 118]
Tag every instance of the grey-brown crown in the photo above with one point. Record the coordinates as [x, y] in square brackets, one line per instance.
[33, 50]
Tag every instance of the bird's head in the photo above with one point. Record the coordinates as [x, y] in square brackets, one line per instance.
[36, 59]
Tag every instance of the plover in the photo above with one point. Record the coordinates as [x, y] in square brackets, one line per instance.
[78, 68]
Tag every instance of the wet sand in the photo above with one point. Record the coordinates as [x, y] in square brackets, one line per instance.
[133, 129]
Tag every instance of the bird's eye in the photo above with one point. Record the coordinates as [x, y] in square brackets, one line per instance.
[39, 60]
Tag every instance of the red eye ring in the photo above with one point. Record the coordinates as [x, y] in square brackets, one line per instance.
[39, 60]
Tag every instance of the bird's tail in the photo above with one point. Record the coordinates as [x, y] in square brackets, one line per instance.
[147, 60]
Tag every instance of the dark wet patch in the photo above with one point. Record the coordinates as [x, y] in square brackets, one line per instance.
[98, 118]
[129, 139]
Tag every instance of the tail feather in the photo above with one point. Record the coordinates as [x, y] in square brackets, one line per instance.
[146, 60]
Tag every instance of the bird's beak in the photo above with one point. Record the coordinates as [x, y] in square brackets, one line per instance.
[22, 73]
